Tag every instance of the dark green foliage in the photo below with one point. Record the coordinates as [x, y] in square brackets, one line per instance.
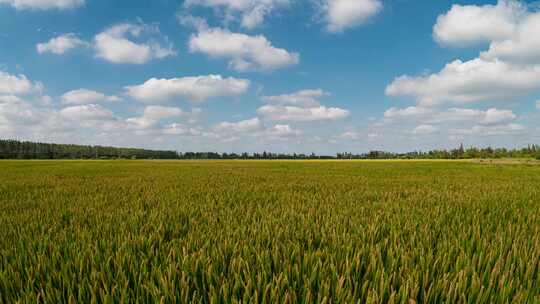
[12, 149]
[269, 232]
[461, 153]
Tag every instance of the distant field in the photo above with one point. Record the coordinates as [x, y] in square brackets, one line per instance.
[269, 232]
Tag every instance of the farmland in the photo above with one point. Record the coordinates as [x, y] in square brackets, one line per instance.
[269, 231]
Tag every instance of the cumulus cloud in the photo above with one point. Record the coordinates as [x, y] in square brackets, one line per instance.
[301, 106]
[255, 127]
[194, 89]
[24, 111]
[180, 129]
[509, 69]
[496, 130]
[449, 123]
[437, 116]
[35, 117]
[18, 84]
[43, 4]
[29, 118]
[21, 118]
[494, 116]
[282, 131]
[61, 44]
[523, 47]
[252, 12]
[245, 52]
[466, 25]
[84, 96]
[121, 44]
[424, 130]
[250, 125]
[303, 98]
[397, 113]
[290, 113]
[90, 112]
[340, 15]
[160, 112]
[470, 81]
[152, 115]
[140, 123]
[15, 111]
[509, 27]
[350, 135]
[195, 22]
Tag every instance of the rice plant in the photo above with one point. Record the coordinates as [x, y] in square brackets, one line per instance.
[269, 232]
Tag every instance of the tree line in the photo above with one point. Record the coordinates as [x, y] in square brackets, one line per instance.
[13, 149]
[531, 151]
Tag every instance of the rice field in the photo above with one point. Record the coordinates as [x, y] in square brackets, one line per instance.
[269, 232]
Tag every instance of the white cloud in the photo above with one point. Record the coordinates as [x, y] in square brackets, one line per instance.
[195, 89]
[250, 125]
[152, 115]
[253, 12]
[292, 113]
[43, 4]
[140, 123]
[396, 113]
[61, 44]
[254, 127]
[14, 111]
[245, 52]
[282, 131]
[491, 130]
[471, 81]
[84, 96]
[340, 15]
[471, 24]
[415, 124]
[180, 129]
[509, 27]
[489, 117]
[17, 84]
[509, 69]
[35, 118]
[45, 100]
[195, 22]
[424, 130]
[435, 116]
[160, 112]
[494, 116]
[303, 98]
[90, 112]
[116, 44]
[523, 47]
[21, 118]
[470, 123]
[350, 135]
[301, 106]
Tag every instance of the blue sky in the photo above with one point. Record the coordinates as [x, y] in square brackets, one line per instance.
[320, 76]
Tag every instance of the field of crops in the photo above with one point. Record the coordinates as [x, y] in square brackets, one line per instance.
[269, 232]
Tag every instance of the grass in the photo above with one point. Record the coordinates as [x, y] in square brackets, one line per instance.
[269, 232]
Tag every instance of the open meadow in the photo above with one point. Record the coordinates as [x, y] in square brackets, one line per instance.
[269, 232]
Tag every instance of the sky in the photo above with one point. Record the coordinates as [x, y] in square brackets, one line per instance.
[293, 76]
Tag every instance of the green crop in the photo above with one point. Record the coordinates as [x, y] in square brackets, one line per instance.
[269, 232]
